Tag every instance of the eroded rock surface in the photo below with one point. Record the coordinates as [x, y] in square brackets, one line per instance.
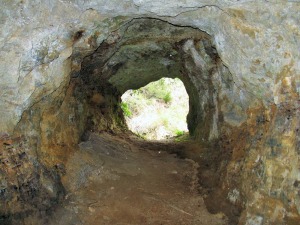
[27, 187]
[62, 62]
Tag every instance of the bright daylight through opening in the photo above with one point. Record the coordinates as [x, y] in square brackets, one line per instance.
[158, 110]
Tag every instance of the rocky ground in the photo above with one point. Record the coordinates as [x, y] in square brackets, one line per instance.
[113, 180]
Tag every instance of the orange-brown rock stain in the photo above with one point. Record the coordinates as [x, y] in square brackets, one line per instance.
[60, 132]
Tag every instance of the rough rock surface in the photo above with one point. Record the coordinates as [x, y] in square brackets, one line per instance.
[244, 87]
[26, 187]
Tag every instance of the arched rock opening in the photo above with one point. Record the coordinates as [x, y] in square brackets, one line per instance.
[158, 110]
[250, 116]
[147, 50]
[141, 51]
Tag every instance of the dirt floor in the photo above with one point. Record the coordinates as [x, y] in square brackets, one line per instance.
[112, 181]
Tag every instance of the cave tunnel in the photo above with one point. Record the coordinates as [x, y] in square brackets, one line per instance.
[68, 156]
[143, 51]
[149, 50]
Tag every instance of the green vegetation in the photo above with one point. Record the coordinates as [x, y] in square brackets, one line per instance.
[183, 138]
[167, 98]
[179, 133]
[126, 110]
[158, 110]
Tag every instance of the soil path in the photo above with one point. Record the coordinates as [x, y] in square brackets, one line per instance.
[115, 182]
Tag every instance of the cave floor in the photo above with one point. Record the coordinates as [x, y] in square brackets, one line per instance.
[112, 180]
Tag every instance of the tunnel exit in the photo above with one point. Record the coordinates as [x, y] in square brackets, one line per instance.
[158, 110]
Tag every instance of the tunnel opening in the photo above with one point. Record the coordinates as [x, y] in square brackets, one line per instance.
[143, 51]
[158, 110]
[64, 67]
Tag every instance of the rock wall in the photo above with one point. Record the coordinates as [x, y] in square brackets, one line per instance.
[245, 93]
[27, 187]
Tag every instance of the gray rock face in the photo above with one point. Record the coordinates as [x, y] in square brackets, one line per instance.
[256, 41]
[247, 96]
